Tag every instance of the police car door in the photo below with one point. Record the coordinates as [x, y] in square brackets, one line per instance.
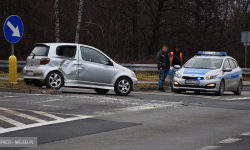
[234, 74]
[227, 76]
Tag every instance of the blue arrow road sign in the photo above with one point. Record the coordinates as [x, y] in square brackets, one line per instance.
[13, 29]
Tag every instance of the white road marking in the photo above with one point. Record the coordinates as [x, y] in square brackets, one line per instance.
[48, 115]
[11, 121]
[10, 96]
[208, 148]
[246, 134]
[43, 124]
[229, 140]
[48, 101]
[238, 98]
[22, 115]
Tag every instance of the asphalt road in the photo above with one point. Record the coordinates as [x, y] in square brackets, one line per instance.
[82, 119]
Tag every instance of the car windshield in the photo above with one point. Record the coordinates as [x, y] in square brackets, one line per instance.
[204, 63]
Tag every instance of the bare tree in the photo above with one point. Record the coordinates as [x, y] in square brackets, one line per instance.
[57, 20]
[79, 19]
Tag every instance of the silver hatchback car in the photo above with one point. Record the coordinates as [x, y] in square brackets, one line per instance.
[76, 65]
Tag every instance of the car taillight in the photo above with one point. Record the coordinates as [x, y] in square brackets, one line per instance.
[44, 61]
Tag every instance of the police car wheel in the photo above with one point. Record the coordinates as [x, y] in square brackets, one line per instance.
[222, 88]
[101, 91]
[197, 92]
[239, 88]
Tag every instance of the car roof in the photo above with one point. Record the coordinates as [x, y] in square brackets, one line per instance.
[216, 57]
[57, 44]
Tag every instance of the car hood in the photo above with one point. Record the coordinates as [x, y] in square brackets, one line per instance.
[197, 72]
[117, 66]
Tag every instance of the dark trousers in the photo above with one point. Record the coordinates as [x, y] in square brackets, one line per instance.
[162, 76]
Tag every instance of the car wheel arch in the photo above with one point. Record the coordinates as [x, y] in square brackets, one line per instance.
[121, 77]
[55, 70]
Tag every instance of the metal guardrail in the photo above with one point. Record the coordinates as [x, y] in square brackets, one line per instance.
[153, 67]
[134, 67]
[5, 64]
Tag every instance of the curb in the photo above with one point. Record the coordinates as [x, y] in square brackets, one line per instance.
[15, 90]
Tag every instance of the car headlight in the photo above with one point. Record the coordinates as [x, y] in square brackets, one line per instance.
[177, 75]
[213, 76]
[133, 74]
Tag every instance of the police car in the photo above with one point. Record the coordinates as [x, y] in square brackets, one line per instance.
[211, 72]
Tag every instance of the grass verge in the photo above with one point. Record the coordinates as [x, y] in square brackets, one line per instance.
[147, 76]
[246, 78]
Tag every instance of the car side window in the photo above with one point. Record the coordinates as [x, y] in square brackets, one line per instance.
[92, 55]
[66, 51]
[232, 63]
[226, 64]
[236, 64]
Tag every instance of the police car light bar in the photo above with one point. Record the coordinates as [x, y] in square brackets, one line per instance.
[212, 53]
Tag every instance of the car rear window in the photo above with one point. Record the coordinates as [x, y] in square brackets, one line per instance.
[40, 50]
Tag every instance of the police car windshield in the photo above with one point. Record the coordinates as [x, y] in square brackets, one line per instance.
[204, 63]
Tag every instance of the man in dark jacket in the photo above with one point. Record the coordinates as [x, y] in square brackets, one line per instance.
[163, 64]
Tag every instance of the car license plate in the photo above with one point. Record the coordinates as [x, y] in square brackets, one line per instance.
[29, 73]
[192, 82]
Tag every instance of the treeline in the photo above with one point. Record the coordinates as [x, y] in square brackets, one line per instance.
[131, 31]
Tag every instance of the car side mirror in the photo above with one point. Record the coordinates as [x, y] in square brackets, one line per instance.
[227, 70]
[111, 63]
[177, 66]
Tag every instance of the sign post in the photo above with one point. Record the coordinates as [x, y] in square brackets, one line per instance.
[13, 31]
[245, 38]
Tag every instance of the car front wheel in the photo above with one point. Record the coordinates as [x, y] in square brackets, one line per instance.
[54, 80]
[222, 88]
[123, 86]
[239, 88]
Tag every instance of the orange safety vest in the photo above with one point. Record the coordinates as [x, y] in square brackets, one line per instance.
[172, 57]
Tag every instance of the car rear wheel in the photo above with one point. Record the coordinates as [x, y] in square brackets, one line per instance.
[101, 91]
[123, 86]
[27, 81]
[54, 80]
[239, 89]
[222, 88]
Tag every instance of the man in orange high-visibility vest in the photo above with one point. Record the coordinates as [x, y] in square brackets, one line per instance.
[176, 52]
[175, 61]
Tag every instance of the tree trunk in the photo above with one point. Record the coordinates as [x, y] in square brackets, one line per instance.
[156, 27]
[79, 21]
[57, 20]
[135, 29]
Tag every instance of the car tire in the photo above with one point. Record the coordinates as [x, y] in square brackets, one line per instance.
[222, 88]
[54, 80]
[123, 86]
[239, 88]
[27, 81]
[177, 91]
[101, 91]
